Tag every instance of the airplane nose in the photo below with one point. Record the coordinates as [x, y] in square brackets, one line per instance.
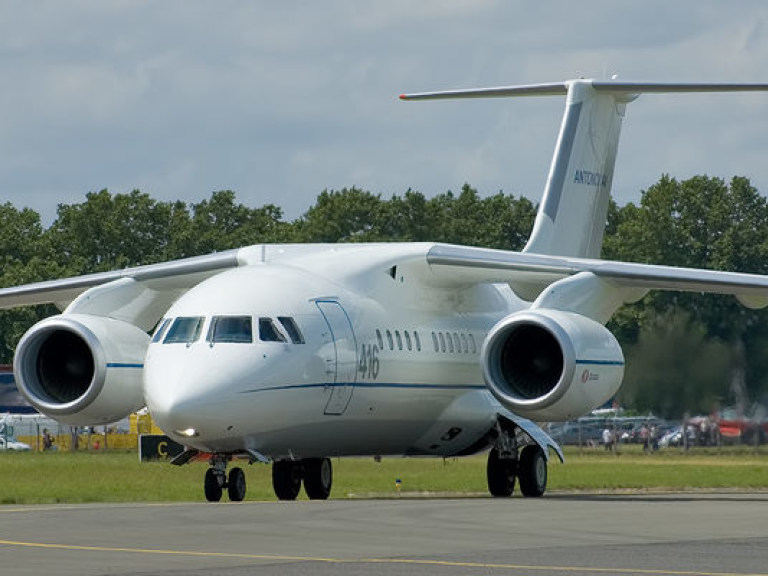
[193, 394]
[178, 396]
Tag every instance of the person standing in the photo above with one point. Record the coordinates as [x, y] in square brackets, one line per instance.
[608, 439]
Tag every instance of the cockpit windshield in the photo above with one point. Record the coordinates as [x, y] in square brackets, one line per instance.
[228, 329]
[268, 332]
[160, 332]
[184, 330]
[233, 329]
[292, 328]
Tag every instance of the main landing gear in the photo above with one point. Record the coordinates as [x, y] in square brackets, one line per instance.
[316, 473]
[287, 477]
[506, 463]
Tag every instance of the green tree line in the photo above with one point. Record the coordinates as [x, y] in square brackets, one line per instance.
[685, 352]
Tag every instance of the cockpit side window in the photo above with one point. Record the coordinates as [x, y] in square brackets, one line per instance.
[268, 332]
[184, 330]
[232, 329]
[160, 332]
[292, 328]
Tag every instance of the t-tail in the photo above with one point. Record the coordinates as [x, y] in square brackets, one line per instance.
[572, 214]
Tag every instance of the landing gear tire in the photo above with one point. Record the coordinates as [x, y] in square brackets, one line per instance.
[318, 478]
[286, 479]
[236, 485]
[213, 486]
[501, 475]
[532, 470]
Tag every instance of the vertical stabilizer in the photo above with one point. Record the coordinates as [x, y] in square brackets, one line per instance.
[573, 210]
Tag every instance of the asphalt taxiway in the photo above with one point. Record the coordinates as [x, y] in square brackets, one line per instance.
[561, 534]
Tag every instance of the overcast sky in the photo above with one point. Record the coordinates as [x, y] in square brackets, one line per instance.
[280, 100]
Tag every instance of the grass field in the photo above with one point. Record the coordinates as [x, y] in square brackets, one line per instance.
[60, 477]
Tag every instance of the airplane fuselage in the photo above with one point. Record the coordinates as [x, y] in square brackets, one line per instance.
[321, 364]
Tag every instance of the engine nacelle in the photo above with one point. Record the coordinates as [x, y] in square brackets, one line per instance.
[549, 365]
[81, 369]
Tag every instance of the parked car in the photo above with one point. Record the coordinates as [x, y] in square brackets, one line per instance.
[673, 437]
[13, 444]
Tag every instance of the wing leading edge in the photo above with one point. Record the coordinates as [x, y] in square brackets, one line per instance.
[138, 295]
[529, 274]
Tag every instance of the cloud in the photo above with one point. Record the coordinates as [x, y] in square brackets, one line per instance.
[281, 100]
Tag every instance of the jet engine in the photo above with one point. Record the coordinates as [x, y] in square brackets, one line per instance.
[81, 369]
[550, 365]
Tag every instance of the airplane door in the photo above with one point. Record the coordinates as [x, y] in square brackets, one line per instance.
[343, 364]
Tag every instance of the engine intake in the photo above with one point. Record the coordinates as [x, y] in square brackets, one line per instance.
[550, 365]
[82, 369]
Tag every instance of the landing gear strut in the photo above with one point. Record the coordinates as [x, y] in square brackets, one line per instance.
[216, 481]
[507, 462]
[317, 474]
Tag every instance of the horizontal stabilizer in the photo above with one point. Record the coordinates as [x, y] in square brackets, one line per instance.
[550, 89]
[608, 86]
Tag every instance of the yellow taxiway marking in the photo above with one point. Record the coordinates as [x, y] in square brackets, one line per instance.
[404, 561]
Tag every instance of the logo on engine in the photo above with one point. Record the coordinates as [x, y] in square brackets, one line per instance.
[588, 376]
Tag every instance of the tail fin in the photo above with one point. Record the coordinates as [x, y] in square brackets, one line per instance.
[573, 210]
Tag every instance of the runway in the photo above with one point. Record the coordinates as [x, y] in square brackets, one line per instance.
[574, 535]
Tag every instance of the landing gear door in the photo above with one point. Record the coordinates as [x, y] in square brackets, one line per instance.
[342, 363]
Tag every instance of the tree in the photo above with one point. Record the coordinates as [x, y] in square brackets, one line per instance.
[108, 231]
[221, 224]
[354, 215]
[26, 257]
[497, 221]
[698, 223]
[346, 215]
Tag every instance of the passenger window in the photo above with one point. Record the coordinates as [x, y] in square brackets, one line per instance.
[408, 340]
[418, 341]
[231, 329]
[184, 330]
[464, 344]
[472, 344]
[389, 340]
[434, 341]
[268, 332]
[399, 340]
[379, 339]
[450, 342]
[161, 330]
[457, 342]
[442, 341]
[292, 328]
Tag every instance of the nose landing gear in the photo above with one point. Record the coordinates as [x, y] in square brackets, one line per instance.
[216, 481]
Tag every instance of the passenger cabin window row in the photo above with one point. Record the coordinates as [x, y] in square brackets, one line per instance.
[444, 342]
[228, 329]
[454, 342]
[405, 340]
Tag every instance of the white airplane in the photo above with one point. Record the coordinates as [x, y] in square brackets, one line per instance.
[297, 353]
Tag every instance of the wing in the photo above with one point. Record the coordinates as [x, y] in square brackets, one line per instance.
[530, 274]
[138, 295]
